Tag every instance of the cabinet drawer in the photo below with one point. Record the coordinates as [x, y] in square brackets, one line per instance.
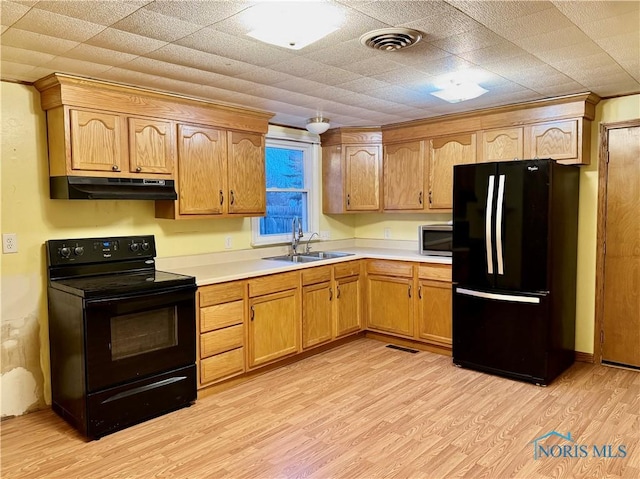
[222, 365]
[221, 316]
[350, 268]
[273, 284]
[221, 293]
[438, 272]
[315, 275]
[390, 268]
[221, 340]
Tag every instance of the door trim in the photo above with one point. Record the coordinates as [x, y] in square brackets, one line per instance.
[603, 166]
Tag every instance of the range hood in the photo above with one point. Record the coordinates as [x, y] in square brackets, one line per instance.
[91, 188]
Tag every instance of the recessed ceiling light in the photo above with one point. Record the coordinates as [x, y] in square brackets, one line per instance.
[457, 92]
[292, 25]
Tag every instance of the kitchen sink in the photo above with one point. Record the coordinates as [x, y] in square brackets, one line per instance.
[309, 257]
[297, 258]
[327, 254]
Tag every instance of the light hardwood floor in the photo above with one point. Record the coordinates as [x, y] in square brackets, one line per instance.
[359, 411]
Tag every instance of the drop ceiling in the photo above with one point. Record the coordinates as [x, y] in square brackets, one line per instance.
[519, 51]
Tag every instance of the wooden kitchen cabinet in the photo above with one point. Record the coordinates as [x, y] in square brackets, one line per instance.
[445, 153]
[501, 145]
[348, 298]
[404, 176]
[317, 306]
[220, 173]
[351, 170]
[274, 318]
[559, 140]
[152, 146]
[434, 318]
[390, 297]
[221, 326]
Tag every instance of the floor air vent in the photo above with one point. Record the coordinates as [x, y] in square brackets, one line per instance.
[400, 348]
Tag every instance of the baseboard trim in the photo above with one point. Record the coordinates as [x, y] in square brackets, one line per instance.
[584, 357]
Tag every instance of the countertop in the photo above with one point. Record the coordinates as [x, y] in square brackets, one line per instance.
[206, 274]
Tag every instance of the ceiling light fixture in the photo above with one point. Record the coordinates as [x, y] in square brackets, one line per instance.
[318, 125]
[460, 91]
[292, 25]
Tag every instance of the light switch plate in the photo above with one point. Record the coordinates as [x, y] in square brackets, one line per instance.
[387, 233]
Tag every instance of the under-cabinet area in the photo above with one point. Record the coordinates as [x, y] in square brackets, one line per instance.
[247, 325]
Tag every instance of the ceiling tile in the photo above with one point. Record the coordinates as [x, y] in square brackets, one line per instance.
[3, 29]
[297, 66]
[373, 66]
[60, 26]
[91, 53]
[198, 12]
[441, 26]
[264, 76]
[102, 13]
[180, 55]
[330, 75]
[578, 50]
[130, 77]
[20, 55]
[491, 12]
[12, 12]
[35, 41]
[16, 71]
[342, 54]
[363, 84]
[419, 56]
[155, 25]
[607, 27]
[475, 39]
[122, 41]
[168, 70]
[210, 40]
[548, 21]
[498, 53]
[395, 13]
[76, 67]
[582, 13]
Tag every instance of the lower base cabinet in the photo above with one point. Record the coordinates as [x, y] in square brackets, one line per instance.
[317, 306]
[434, 304]
[221, 329]
[348, 305]
[390, 297]
[274, 318]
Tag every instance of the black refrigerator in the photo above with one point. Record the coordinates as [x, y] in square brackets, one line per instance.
[515, 230]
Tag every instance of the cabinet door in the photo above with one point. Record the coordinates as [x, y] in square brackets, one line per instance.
[557, 140]
[362, 178]
[273, 327]
[390, 304]
[317, 300]
[445, 153]
[503, 144]
[434, 311]
[349, 306]
[404, 176]
[98, 141]
[202, 170]
[247, 186]
[151, 146]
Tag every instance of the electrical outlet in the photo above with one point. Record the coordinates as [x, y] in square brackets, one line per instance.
[325, 235]
[228, 242]
[9, 243]
[387, 233]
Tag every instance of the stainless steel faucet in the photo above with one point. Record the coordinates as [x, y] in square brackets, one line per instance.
[308, 247]
[297, 233]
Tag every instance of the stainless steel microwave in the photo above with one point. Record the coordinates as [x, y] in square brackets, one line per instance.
[436, 240]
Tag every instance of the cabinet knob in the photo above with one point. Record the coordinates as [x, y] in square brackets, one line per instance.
[115, 168]
[138, 169]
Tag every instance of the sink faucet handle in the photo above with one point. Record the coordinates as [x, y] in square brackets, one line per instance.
[308, 247]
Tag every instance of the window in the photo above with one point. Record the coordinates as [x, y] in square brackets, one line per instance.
[290, 176]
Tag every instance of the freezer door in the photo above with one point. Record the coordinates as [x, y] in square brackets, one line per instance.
[522, 225]
[474, 198]
[501, 333]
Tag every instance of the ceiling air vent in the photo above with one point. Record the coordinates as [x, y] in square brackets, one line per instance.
[391, 39]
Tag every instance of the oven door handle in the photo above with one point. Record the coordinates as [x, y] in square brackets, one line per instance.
[159, 296]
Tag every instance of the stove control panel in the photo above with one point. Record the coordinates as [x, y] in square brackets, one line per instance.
[100, 250]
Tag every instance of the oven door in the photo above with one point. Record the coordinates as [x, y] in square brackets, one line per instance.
[132, 337]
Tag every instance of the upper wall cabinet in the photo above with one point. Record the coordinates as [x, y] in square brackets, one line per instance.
[404, 176]
[502, 144]
[445, 153]
[103, 129]
[351, 168]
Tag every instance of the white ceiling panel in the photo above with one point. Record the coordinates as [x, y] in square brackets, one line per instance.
[518, 50]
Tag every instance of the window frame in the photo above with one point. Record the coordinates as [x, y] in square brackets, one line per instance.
[280, 137]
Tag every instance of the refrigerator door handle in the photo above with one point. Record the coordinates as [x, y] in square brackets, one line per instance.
[487, 224]
[498, 296]
[499, 212]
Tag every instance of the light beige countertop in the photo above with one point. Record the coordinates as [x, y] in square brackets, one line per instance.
[229, 270]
